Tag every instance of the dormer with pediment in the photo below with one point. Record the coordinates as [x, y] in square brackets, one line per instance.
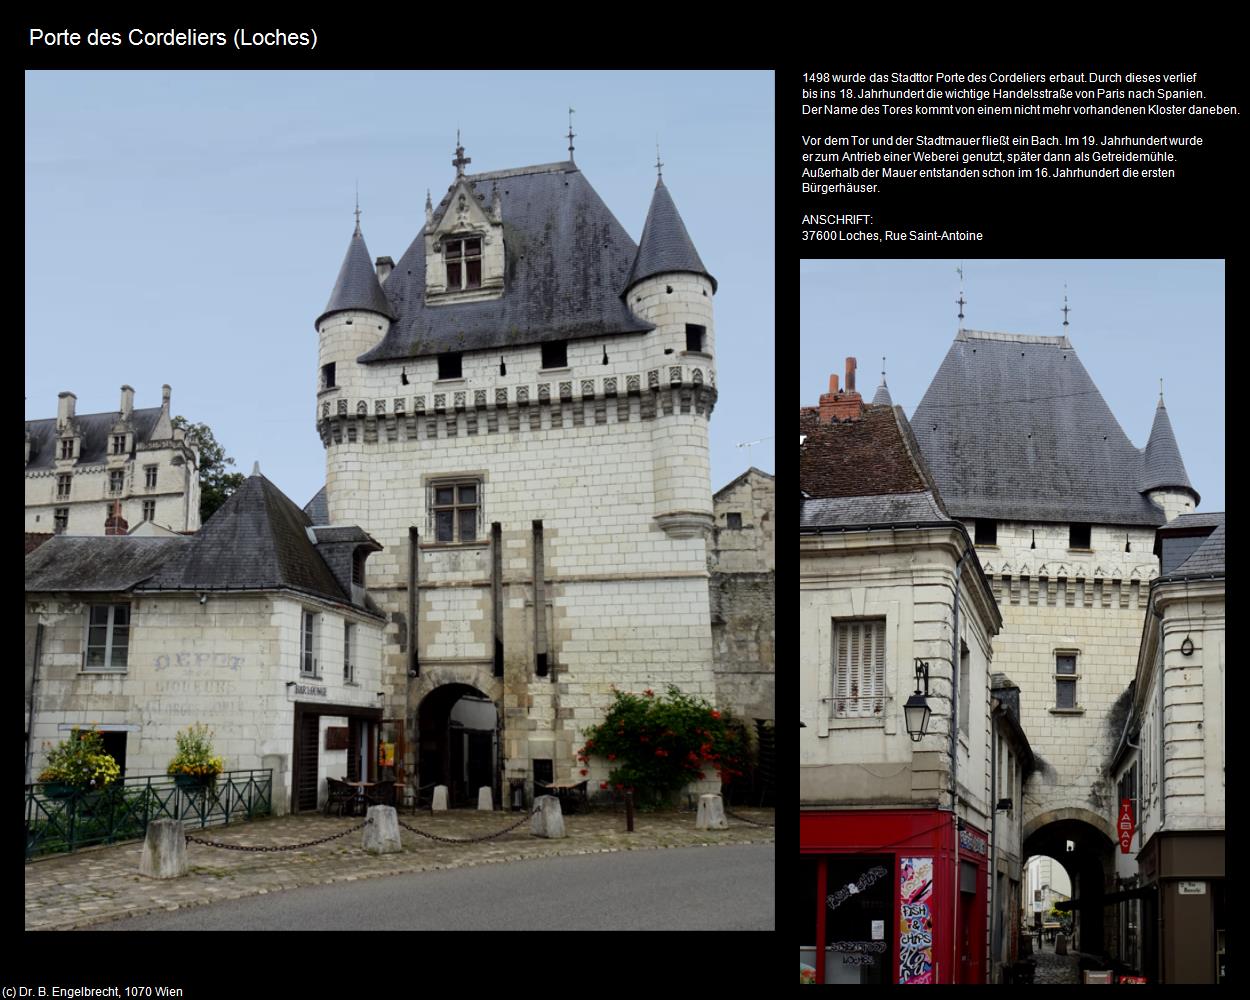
[68, 438]
[121, 438]
[464, 245]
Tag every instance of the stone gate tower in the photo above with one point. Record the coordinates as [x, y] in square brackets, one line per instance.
[517, 411]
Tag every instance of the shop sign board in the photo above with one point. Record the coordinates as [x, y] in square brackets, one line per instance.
[1193, 888]
[1125, 825]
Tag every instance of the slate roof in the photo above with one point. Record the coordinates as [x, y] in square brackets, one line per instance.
[665, 245]
[1162, 465]
[566, 266]
[99, 563]
[94, 428]
[36, 538]
[255, 541]
[318, 508]
[1195, 520]
[882, 396]
[1208, 560]
[897, 508]
[357, 286]
[1013, 427]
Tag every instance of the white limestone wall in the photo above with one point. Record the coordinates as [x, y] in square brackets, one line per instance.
[224, 663]
[1056, 599]
[1173, 502]
[749, 549]
[177, 494]
[343, 337]
[908, 580]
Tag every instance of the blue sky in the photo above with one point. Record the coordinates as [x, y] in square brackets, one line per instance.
[1132, 323]
[188, 227]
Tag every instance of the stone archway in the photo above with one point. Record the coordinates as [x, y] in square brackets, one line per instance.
[1090, 865]
[458, 737]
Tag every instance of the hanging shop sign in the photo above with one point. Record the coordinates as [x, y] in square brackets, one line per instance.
[915, 944]
[310, 691]
[1125, 825]
[1192, 888]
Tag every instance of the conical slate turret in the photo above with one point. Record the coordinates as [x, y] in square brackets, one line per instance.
[357, 285]
[665, 245]
[882, 397]
[1162, 467]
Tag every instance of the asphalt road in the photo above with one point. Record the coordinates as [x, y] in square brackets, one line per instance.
[696, 888]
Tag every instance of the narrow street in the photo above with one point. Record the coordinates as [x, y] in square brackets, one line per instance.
[1052, 968]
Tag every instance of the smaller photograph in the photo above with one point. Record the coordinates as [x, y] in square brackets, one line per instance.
[1011, 578]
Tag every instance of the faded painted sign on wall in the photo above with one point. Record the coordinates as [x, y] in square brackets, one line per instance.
[915, 941]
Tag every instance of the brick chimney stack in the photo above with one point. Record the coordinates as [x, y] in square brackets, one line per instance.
[847, 405]
[115, 524]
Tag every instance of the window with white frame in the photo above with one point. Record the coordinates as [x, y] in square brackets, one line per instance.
[149, 476]
[119, 444]
[1065, 680]
[149, 510]
[859, 668]
[307, 644]
[464, 263]
[63, 484]
[117, 481]
[108, 637]
[349, 653]
[60, 520]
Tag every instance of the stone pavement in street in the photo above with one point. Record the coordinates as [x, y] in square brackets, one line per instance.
[76, 890]
[1052, 968]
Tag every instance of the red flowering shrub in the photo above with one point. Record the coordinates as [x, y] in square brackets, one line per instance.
[661, 744]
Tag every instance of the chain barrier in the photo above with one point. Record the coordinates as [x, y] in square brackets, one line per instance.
[467, 840]
[283, 847]
[751, 821]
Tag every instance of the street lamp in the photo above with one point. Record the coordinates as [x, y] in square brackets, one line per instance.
[917, 711]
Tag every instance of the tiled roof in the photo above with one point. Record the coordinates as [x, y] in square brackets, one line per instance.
[1014, 428]
[566, 264]
[665, 245]
[857, 458]
[95, 429]
[255, 541]
[1162, 465]
[318, 508]
[357, 285]
[99, 563]
[36, 538]
[897, 508]
[1208, 560]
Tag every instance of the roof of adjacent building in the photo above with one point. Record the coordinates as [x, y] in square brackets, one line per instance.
[1014, 428]
[100, 562]
[864, 471]
[1162, 467]
[36, 538]
[1208, 560]
[665, 246]
[95, 429]
[257, 540]
[1195, 520]
[318, 508]
[566, 266]
[357, 286]
[741, 478]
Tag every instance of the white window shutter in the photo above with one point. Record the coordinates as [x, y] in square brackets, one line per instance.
[823, 677]
[878, 668]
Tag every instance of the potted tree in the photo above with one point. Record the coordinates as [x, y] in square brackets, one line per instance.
[78, 764]
[194, 766]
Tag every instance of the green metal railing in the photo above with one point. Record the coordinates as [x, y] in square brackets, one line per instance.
[66, 820]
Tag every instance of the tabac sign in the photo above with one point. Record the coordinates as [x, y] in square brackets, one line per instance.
[1125, 825]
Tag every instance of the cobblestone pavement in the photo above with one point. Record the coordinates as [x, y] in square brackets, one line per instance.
[1052, 968]
[76, 890]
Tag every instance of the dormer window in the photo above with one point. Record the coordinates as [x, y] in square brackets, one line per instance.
[67, 447]
[463, 258]
[119, 444]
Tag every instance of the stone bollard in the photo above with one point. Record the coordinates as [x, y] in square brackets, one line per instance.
[484, 800]
[547, 820]
[1061, 945]
[382, 835]
[711, 813]
[164, 850]
[440, 799]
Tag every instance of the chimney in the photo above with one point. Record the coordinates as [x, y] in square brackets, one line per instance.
[847, 405]
[65, 409]
[164, 399]
[385, 266]
[115, 524]
[128, 402]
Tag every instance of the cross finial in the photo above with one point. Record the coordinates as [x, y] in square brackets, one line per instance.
[1066, 310]
[1160, 392]
[358, 208]
[883, 369]
[461, 161]
[659, 166]
[571, 134]
[961, 301]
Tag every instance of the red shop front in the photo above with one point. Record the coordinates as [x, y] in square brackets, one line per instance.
[889, 899]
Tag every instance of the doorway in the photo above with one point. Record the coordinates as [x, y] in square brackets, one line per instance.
[458, 740]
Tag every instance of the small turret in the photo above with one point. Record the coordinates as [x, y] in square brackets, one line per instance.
[1164, 479]
[665, 246]
[357, 286]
